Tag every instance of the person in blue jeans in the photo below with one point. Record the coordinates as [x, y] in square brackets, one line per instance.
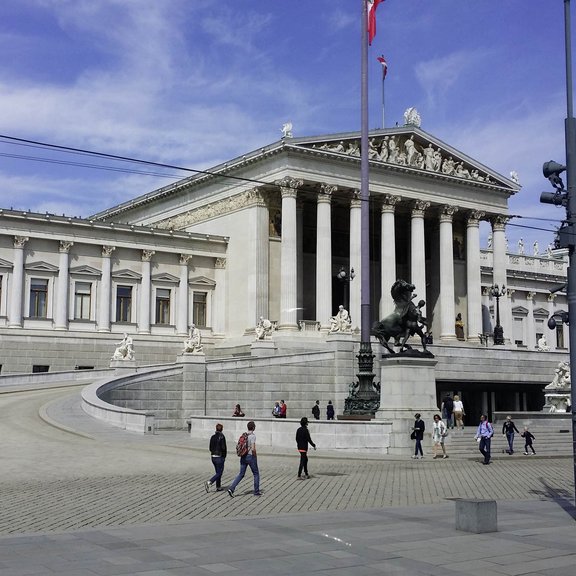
[218, 455]
[418, 435]
[508, 429]
[484, 435]
[249, 460]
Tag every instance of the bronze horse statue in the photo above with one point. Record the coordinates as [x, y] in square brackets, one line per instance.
[405, 321]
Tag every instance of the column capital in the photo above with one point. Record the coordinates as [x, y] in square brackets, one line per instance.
[355, 200]
[220, 263]
[328, 189]
[147, 255]
[20, 241]
[552, 297]
[185, 259]
[473, 217]
[389, 203]
[289, 186]
[256, 197]
[486, 290]
[530, 295]
[107, 251]
[65, 246]
[419, 207]
[447, 212]
[499, 222]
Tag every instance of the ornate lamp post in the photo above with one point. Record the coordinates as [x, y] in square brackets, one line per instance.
[346, 278]
[497, 293]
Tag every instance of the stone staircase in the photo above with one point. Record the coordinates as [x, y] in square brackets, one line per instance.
[548, 441]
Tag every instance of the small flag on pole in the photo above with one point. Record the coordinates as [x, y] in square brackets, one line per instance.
[382, 61]
[372, 5]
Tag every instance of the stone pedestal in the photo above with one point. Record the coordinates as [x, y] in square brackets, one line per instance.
[120, 365]
[408, 386]
[193, 384]
[477, 516]
[263, 348]
[192, 358]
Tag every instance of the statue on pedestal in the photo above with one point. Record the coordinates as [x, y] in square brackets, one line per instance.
[193, 343]
[543, 344]
[124, 349]
[558, 392]
[405, 321]
[341, 322]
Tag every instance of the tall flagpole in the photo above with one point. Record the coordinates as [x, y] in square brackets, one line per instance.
[383, 92]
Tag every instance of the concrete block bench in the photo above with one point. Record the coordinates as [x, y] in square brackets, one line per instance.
[476, 516]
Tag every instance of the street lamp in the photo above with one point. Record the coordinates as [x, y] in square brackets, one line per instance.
[346, 278]
[497, 293]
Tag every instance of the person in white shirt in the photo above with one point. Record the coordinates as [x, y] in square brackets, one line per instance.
[438, 435]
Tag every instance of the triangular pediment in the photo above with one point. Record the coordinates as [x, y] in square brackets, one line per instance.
[5, 264]
[541, 312]
[85, 271]
[165, 277]
[410, 148]
[520, 311]
[126, 275]
[202, 282]
[41, 267]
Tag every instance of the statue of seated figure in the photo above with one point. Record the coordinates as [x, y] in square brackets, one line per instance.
[194, 341]
[263, 328]
[124, 349]
[341, 322]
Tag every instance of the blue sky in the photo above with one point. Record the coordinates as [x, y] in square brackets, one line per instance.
[196, 82]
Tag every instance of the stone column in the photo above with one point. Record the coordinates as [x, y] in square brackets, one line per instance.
[105, 289]
[16, 301]
[355, 287]
[324, 256]
[418, 250]
[388, 254]
[257, 269]
[487, 325]
[509, 300]
[288, 255]
[61, 316]
[300, 257]
[447, 308]
[499, 262]
[531, 327]
[182, 311]
[473, 281]
[219, 302]
[145, 293]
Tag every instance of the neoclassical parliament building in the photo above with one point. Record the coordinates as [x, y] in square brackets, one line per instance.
[275, 233]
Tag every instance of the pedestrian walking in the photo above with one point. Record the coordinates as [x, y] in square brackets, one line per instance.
[302, 441]
[484, 435]
[418, 436]
[439, 433]
[447, 410]
[508, 429]
[330, 411]
[528, 437]
[316, 410]
[248, 459]
[218, 456]
[458, 411]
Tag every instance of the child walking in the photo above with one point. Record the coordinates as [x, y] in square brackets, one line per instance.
[528, 437]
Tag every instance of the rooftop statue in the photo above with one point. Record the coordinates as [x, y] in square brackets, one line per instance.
[405, 321]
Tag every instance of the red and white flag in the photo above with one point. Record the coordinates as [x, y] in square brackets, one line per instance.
[382, 61]
[372, 5]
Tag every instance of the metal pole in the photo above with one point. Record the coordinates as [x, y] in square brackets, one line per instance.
[383, 95]
[570, 131]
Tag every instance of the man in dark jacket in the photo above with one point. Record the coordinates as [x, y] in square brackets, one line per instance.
[218, 454]
[302, 441]
[316, 410]
[447, 411]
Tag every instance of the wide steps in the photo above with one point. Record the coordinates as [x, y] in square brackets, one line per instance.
[547, 442]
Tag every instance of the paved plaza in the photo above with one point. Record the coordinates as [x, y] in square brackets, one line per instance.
[81, 498]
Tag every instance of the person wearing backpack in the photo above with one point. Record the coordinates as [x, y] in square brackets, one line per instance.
[316, 410]
[302, 441]
[484, 435]
[218, 455]
[246, 449]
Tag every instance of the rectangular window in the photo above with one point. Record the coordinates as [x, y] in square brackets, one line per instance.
[560, 335]
[82, 300]
[36, 368]
[38, 298]
[162, 306]
[124, 304]
[199, 308]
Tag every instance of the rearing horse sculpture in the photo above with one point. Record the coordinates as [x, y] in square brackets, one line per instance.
[405, 321]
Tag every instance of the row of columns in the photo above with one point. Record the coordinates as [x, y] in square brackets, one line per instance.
[288, 287]
[103, 320]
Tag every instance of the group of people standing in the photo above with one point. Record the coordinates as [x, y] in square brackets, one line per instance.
[248, 456]
[329, 410]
